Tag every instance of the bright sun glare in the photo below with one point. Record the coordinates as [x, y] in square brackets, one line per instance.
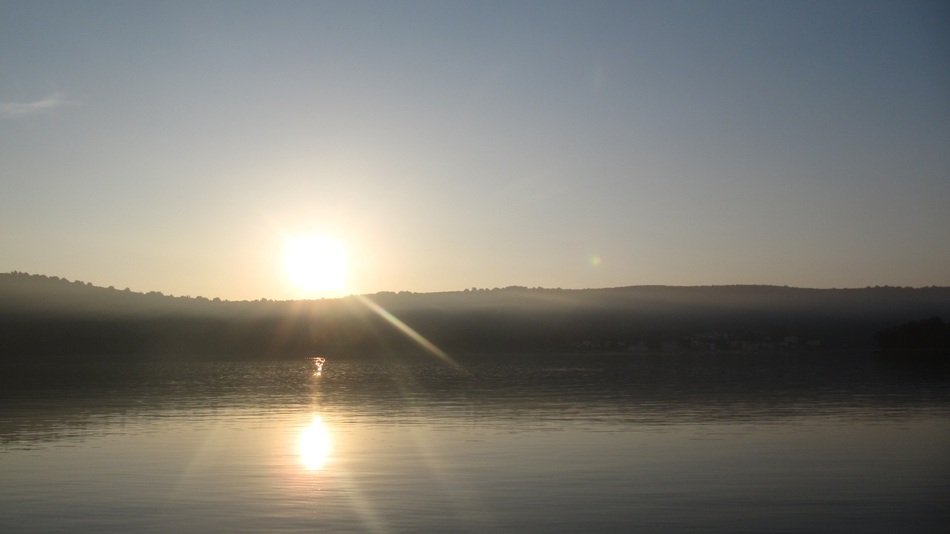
[315, 264]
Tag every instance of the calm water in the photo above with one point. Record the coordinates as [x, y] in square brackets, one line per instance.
[705, 443]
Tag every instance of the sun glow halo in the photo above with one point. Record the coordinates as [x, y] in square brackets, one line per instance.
[315, 264]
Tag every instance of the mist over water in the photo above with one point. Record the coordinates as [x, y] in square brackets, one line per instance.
[800, 443]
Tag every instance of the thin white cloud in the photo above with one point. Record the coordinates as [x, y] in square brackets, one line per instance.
[16, 109]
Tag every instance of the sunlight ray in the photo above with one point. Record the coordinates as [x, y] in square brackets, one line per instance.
[411, 333]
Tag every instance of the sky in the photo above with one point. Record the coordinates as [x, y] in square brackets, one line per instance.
[178, 146]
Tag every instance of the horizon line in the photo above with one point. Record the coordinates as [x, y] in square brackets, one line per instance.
[472, 289]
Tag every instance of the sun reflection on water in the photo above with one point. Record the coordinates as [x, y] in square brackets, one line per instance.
[318, 365]
[314, 445]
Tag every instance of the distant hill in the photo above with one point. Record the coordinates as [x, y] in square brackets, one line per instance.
[50, 317]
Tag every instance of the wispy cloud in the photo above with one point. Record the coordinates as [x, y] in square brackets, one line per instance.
[16, 109]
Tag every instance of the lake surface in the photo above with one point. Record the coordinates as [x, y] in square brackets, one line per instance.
[651, 443]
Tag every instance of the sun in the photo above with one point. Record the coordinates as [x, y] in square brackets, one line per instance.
[315, 264]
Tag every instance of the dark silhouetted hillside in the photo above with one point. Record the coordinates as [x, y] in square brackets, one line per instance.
[51, 317]
[931, 335]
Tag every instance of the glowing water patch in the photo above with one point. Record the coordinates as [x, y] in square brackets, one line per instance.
[314, 445]
[318, 365]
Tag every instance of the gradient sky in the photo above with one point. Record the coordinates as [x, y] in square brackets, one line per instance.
[174, 146]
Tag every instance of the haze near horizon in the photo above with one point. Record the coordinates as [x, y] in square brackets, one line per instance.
[191, 148]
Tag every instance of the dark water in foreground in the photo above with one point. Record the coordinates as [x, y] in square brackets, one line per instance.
[753, 443]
